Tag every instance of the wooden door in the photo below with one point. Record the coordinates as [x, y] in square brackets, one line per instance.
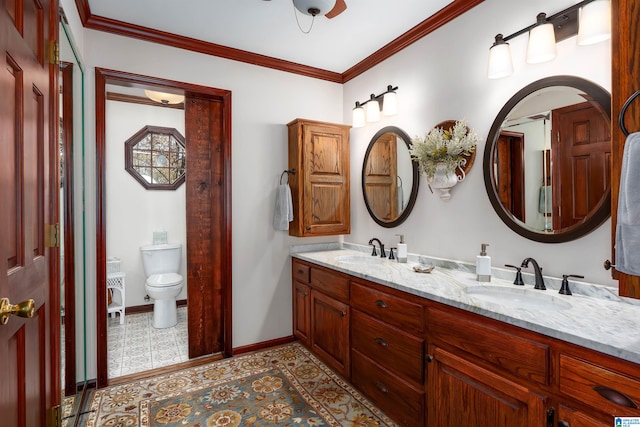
[381, 178]
[464, 394]
[509, 172]
[330, 331]
[581, 159]
[625, 76]
[29, 347]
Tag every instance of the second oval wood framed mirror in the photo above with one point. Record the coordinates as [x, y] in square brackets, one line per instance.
[389, 177]
[547, 159]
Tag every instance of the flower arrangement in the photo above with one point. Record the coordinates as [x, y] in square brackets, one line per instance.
[444, 146]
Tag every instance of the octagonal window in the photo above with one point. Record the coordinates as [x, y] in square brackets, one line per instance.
[156, 157]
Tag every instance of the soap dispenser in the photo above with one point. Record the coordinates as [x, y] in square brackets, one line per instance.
[402, 249]
[483, 265]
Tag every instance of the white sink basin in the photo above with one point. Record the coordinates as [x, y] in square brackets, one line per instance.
[523, 298]
[359, 259]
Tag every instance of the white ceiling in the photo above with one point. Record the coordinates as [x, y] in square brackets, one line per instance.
[269, 27]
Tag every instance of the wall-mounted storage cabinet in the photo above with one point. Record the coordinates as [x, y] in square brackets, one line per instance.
[319, 153]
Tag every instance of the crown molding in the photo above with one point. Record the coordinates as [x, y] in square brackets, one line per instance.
[442, 17]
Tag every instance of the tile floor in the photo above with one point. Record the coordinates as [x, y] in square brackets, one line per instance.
[137, 346]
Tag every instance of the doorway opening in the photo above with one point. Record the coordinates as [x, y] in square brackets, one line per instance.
[206, 203]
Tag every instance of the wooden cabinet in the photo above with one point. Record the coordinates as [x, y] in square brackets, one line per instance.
[428, 364]
[301, 302]
[319, 153]
[462, 393]
[603, 391]
[387, 356]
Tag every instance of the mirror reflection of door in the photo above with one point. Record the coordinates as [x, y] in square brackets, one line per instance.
[382, 178]
[581, 153]
[509, 172]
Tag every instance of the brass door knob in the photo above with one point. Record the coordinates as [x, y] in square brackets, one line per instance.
[23, 309]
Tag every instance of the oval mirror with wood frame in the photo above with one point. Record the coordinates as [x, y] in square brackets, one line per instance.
[547, 159]
[389, 177]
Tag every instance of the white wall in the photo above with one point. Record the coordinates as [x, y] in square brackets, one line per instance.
[443, 77]
[133, 212]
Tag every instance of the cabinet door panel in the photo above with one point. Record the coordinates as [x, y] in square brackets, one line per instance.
[330, 331]
[463, 394]
[301, 311]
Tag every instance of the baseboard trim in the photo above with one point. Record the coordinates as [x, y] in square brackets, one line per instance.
[148, 308]
[262, 345]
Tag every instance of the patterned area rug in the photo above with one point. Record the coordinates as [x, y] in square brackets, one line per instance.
[282, 386]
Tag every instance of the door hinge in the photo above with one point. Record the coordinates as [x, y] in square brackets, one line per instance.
[52, 235]
[53, 52]
[55, 417]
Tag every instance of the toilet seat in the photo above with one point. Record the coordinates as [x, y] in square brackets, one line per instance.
[164, 280]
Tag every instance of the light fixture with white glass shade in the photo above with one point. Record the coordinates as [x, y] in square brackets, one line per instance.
[369, 110]
[594, 25]
[595, 22]
[314, 7]
[542, 41]
[164, 98]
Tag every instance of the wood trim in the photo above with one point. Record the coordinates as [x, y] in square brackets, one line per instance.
[625, 47]
[174, 40]
[68, 230]
[102, 77]
[442, 17]
[148, 308]
[263, 345]
[432, 23]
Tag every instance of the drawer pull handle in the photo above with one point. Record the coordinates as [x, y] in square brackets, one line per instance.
[383, 388]
[381, 304]
[382, 342]
[563, 424]
[615, 396]
[300, 271]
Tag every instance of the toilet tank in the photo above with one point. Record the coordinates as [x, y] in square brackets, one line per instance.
[160, 259]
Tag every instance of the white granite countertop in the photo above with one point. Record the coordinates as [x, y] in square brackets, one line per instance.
[593, 317]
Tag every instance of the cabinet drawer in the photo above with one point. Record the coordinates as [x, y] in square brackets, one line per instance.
[519, 356]
[599, 387]
[396, 350]
[300, 271]
[386, 307]
[330, 283]
[395, 397]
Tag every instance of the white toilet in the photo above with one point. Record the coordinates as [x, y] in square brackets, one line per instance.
[161, 265]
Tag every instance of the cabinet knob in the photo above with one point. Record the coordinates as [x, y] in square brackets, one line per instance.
[381, 342]
[615, 396]
[342, 314]
[563, 424]
[383, 388]
[381, 304]
[428, 358]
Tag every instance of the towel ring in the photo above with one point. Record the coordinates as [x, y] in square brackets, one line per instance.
[624, 111]
[287, 172]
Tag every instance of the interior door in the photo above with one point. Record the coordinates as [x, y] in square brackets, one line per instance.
[382, 178]
[509, 173]
[581, 158]
[28, 354]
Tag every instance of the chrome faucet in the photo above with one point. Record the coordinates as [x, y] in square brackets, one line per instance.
[537, 271]
[374, 253]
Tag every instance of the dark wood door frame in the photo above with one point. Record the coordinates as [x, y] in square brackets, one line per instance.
[66, 77]
[102, 78]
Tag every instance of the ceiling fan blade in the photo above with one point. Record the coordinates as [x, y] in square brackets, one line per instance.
[340, 7]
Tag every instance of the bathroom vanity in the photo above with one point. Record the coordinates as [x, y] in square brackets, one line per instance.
[440, 349]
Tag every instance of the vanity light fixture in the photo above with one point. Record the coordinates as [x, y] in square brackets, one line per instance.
[594, 25]
[369, 110]
[164, 98]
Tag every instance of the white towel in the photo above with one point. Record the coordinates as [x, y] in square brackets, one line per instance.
[284, 208]
[628, 225]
